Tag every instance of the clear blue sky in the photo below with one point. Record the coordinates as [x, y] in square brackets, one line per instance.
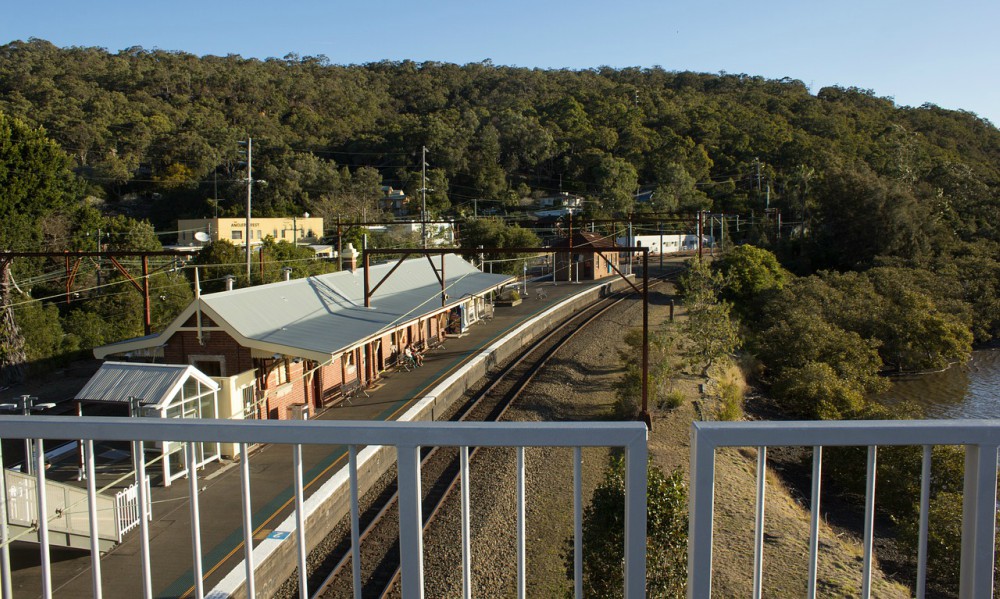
[914, 51]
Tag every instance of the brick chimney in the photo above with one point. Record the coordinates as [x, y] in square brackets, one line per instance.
[349, 260]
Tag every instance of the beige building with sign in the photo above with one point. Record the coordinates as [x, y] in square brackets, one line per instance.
[294, 229]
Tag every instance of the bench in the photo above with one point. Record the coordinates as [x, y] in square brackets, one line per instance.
[350, 389]
[434, 342]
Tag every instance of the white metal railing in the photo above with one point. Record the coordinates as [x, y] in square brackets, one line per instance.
[980, 438]
[406, 437]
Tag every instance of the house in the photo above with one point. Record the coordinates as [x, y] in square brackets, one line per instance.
[563, 200]
[312, 342]
[394, 201]
[586, 266]
[198, 232]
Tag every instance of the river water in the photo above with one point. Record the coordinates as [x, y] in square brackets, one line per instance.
[970, 390]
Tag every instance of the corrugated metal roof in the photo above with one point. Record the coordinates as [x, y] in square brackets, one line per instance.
[318, 317]
[155, 384]
[326, 314]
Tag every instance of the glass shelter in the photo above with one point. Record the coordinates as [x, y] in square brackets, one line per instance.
[159, 391]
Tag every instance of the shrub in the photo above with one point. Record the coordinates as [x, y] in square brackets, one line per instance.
[604, 535]
[671, 400]
[731, 406]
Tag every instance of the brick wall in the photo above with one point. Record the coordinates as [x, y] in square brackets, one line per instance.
[184, 344]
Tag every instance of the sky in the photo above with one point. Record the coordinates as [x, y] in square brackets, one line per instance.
[914, 51]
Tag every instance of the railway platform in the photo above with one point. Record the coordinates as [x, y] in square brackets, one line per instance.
[271, 478]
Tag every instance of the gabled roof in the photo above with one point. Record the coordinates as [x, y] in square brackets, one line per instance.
[155, 384]
[319, 317]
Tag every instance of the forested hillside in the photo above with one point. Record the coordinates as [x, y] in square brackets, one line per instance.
[155, 133]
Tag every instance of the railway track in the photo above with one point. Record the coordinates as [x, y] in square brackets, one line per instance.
[440, 466]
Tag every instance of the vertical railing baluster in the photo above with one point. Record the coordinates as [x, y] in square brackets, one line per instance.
[192, 468]
[411, 544]
[521, 566]
[140, 464]
[6, 590]
[352, 463]
[758, 542]
[979, 499]
[466, 528]
[868, 542]
[43, 518]
[577, 522]
[636, 465]
[925, 502]
[814, 514]
[95, 545]
[300, 523]
[701, 506]
[247, 520]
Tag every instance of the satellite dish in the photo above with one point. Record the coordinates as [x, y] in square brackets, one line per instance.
[202, 236]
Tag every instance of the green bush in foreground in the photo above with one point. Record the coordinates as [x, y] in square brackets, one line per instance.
[604, 535]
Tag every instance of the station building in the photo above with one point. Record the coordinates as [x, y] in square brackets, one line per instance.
[586, 266]
[283, 350]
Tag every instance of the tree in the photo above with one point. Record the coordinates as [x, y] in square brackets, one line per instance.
[816, 392]
[278, 256]
[35, 181]
[604, 535]
[748, 272]
[709, 330]
[218, 260]
[676, 192]
[495, 233]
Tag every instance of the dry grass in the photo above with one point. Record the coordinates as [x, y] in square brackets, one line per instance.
[786, 546]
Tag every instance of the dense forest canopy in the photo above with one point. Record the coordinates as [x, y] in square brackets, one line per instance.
[154, 135]
[139, 122]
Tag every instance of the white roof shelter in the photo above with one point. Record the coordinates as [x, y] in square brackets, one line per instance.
[163, 391]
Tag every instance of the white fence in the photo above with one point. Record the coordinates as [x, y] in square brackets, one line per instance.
[127, 508]
[406, 437]
[979, 437]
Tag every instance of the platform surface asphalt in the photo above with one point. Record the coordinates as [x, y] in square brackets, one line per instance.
[271, 481]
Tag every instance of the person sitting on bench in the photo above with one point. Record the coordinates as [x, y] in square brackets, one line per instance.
[411, 358]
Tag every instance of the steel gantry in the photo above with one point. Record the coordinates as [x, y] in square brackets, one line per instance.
[72, 260]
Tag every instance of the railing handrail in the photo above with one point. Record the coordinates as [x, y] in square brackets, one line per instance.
[405, 437]
[981, 438]
[326, 432]
[807, 433]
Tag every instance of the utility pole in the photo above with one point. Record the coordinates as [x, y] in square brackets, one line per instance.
[423, 196]
[249, 144]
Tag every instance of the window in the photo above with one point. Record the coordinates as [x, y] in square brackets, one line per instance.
[238, 235]
[210, 365]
